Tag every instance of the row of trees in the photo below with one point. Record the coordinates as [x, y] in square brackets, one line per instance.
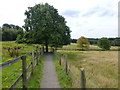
[93, 41]
[9, 32]
[84, 43]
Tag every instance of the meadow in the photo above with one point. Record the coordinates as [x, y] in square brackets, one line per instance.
[12, 72]
[101, 67]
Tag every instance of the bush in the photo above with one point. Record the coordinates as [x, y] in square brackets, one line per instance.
[104, 43]
[83, 43]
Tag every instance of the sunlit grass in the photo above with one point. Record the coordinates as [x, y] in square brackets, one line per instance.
[101, 67]
[11, 73]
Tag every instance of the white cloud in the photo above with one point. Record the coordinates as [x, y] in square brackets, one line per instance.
[101, 22]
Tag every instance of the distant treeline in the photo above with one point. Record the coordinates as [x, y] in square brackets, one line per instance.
[93, 41]
[9, 32]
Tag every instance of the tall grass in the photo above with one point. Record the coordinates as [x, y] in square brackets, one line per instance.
[101, 67]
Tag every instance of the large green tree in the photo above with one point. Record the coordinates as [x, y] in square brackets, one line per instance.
[46, 26]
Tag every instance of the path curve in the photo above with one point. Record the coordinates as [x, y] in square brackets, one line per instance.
[49, 79]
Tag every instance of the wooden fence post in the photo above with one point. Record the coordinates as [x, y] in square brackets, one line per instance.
[66, 63]
[42, 50]
[32, 61]
[37, 56]
[83, 78]
[60, 59]
[24, 77]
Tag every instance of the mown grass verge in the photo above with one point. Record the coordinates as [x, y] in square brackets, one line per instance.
[64, 79]
[34, 81]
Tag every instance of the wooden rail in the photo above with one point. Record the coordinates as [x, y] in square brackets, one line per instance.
[10, 62]
[25, 68]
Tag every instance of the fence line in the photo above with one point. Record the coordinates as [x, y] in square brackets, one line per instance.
[25, 68]
[81, 79]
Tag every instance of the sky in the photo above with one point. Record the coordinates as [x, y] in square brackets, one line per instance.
[89, 18]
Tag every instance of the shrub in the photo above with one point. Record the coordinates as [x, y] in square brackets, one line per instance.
[83, 43]
[104, 43]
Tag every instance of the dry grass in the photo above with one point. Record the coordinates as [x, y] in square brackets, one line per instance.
[101, 67]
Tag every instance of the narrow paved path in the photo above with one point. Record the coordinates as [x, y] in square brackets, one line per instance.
[49, 79]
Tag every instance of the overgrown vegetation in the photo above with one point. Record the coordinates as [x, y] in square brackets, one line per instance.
[101, 67]
[12, 72]
[25, 48]
[64, 79]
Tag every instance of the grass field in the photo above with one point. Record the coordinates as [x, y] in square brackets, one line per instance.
[11, 73]
[26, 48]
[101, 67]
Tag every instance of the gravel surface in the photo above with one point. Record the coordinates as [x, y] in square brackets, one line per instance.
[49, 79]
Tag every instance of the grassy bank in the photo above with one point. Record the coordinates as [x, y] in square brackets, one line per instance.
[64, 80]
[34, 81]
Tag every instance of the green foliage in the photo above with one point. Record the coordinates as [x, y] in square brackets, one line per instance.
[83, 43]
[10, 32]
[46, 26]
[104, 43]
[117, 42]
[73, 40]
[93, 41]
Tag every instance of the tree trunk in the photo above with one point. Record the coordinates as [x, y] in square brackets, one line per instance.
[46, 47]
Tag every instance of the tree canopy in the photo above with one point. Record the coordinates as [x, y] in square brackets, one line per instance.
[104, 43]
[44, 25]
